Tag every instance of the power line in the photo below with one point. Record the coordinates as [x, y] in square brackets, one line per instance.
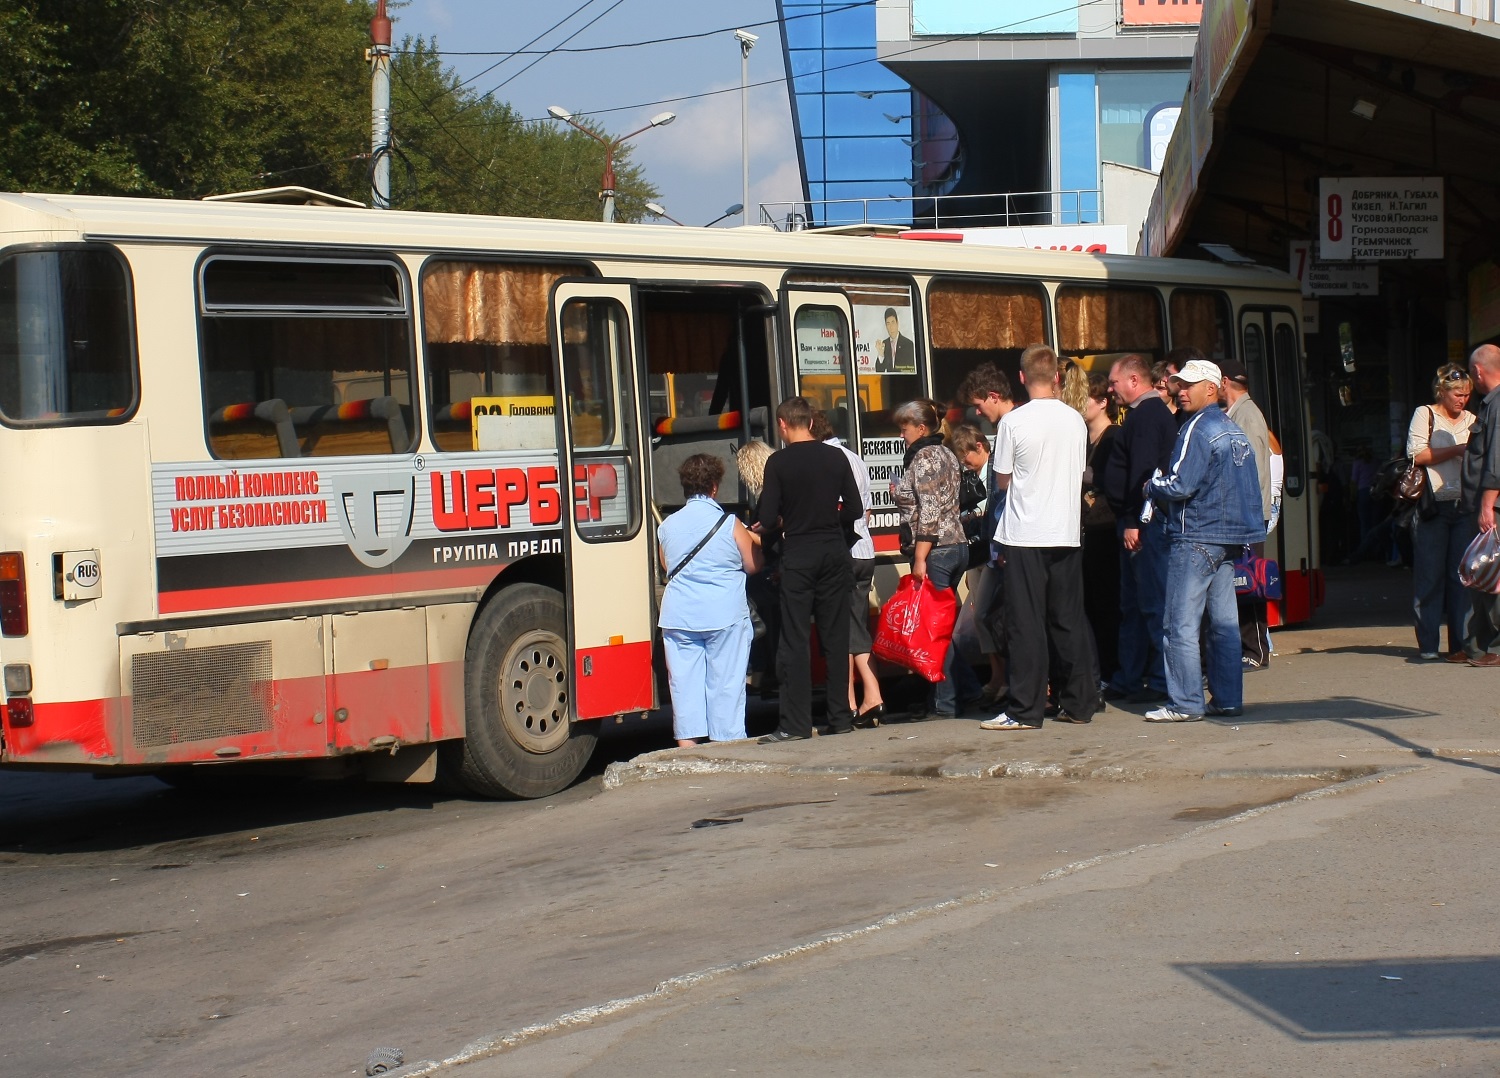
[526, 50]
[528, 45]
[783, 79]
[549, 52]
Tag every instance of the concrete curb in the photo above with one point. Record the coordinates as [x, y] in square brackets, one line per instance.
[665, 764]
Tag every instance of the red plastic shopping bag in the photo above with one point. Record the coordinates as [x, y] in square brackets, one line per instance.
[916, 627]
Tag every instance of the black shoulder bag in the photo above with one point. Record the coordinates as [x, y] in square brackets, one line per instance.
[701, 544]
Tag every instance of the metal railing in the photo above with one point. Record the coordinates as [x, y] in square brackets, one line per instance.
[998, 210]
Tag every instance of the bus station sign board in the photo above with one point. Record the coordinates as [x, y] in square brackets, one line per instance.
[1331, 278]
[1380, 218]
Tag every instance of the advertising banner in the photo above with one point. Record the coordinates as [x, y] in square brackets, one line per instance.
[1161, 12]
[1087, 239]
[1380, 218]
[939, 17]
[883, 342]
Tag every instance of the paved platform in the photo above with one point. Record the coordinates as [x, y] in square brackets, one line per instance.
[1343, 697]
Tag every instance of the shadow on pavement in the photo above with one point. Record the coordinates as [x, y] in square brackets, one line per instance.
[1363, 999]
[1325, 709]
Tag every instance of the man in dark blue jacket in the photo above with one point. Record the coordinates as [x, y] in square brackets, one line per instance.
[1142, 448]
[1210, 499]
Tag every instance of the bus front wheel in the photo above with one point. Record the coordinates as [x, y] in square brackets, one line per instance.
[518, 740]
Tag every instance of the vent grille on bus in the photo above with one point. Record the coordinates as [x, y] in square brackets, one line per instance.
[200, 693]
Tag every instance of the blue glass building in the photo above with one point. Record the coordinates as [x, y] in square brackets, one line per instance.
[860, 129]
[898, 101]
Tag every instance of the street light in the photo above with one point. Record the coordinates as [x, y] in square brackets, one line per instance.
[747, 42]
[656, 209]
[607, 185]
[738, 207]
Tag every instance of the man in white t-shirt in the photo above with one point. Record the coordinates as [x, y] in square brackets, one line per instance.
[1041, 450]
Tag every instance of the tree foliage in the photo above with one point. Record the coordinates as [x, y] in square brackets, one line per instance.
[184, 98]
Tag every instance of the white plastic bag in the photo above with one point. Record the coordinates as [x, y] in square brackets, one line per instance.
[1480, 567]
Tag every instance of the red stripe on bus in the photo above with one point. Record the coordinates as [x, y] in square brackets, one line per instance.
[613, 680]
[308, 591]
[415, 704]
[67, 732]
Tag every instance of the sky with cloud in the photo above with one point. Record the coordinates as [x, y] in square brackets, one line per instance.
[695, 160]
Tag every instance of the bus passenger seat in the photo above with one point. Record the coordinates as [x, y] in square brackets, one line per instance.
[247, 442]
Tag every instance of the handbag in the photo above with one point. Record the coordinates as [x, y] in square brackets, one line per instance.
[1413, 482]
[1257, 576]
[916, 627]
[978, 542]
[970, 490]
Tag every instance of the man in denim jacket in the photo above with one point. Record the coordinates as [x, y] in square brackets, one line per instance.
[1211, 498]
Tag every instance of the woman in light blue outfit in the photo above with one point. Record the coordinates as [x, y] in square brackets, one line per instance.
[705, 621]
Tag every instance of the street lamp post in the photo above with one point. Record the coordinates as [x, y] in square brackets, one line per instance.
[607, 184]
[747, 42]
[727, 213]
[656, 209]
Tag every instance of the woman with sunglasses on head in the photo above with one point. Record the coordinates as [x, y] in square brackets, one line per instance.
[1436, 440]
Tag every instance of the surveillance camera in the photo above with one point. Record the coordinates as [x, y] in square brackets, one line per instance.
[745, 37]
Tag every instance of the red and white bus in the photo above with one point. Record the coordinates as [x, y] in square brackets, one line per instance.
[376, 492]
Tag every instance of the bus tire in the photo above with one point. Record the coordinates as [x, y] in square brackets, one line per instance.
[519, 741]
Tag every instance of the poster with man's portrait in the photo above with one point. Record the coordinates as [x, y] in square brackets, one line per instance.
[883, 337]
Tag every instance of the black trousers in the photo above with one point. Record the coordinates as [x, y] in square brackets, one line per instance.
[1044, 602]
[815, 581]
[1253, 622]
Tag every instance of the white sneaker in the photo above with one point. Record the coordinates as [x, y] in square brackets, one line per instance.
[1167, 714]
[1003, 721]
[1430, 655]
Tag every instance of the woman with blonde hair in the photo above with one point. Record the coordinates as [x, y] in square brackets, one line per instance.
[1075, 387]
[1437, 439]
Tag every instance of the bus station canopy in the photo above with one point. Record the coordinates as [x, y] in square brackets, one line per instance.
[1284, 94]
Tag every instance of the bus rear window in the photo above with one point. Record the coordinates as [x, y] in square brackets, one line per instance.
[67, 353]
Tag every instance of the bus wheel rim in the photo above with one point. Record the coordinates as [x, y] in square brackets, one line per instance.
[534, 692]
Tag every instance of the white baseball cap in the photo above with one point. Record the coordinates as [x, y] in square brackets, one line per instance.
[1199, 370]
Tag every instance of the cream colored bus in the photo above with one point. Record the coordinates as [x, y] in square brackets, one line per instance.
[375, 492]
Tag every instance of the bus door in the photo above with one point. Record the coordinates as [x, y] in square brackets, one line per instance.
[822, 356]
[606, 549]
[1273, 358]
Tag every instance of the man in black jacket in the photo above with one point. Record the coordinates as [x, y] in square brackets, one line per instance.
[808, 508]
[1480, 486]
[1143, 445]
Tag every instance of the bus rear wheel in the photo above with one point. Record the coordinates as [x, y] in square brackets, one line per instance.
[519, 741]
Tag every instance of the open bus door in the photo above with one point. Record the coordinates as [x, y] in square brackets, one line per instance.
[606, 548]
[1273, 359]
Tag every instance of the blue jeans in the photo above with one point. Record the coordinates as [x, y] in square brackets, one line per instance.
[945, 568]
[1200, 576]
[1143, 588]
[1438, 546]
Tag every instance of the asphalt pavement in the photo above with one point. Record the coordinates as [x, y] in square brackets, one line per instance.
[1348, 930]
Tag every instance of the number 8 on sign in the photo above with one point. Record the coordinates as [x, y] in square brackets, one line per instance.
[1335, 218]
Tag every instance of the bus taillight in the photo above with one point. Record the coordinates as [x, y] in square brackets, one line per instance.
[13, 620]
[18, 712]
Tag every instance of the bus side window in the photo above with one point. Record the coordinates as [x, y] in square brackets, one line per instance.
[489, 366]
[1200, 319]
[305, 357]
[976, 322]
[67, 345]
[1098, 324]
